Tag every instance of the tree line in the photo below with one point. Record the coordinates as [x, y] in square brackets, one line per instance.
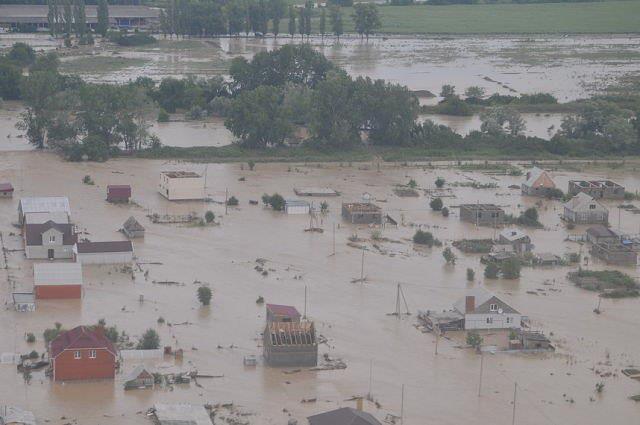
[278, 97]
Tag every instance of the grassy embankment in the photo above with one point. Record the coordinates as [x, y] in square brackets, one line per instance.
[598, 17]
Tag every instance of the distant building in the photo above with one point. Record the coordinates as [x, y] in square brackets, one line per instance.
[483, 310]
[23, 302]
[118, 193]
[344, 416]
[538, 183]
[34, 17]
[82, 353]
[12, 415]
[296, 206]
[112, 252]
[181, 185]
[282, 313]
[598, 189]
[519, 240]
[361, 213]
[315, 191]
[601, 234]
[6, 190]
[482, 214]
[50, 204]
[139, 377]
[583, 209]
[49, 240]
[57, 280]
[132, 228]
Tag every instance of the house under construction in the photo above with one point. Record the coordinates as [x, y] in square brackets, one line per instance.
[615, 253]
[361, 213]
[290, 344]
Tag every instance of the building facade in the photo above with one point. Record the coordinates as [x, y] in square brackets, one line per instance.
[483, 310]
[82, 353]
[296, 206]
[519, 241]
[598, 189]
[482, 214]
[361, 213]
[118, 193]
[181, 185]
[538, 183]
[49, 240]
[112, 252]
[583, 209]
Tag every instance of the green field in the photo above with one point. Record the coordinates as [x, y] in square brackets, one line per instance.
[599, 17]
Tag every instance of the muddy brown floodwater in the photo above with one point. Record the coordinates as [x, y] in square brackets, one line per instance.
[556, 388]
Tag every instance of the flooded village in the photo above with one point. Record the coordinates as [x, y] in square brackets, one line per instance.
[141, 287]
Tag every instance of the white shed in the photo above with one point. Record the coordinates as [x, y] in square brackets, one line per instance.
[113, 252]
[24, 301]
[296, 206]
[181, 185]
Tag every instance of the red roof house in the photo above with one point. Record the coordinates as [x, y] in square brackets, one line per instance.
[82, 353]
[118, 193]
[282, 313]
[6, 190]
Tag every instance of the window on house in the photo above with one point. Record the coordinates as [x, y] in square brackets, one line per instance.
[493, 307]
[592, 206]
[52, 238]
[509, 319]
[489, 320]
[92, 354]
[76, 355]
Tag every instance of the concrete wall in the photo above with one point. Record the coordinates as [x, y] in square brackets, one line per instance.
[297, 209]
[498, 321]
[42, 252]
[481, 218]
[105, 258]
[68, 368]
[291, 356]
[586, 217]
[178, 189]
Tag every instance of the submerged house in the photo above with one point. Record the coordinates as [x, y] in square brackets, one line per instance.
[519, 241]
[615, 253]
[13, 415]
[282, 313]
[482, 214]
[82, 353]
[601, 234]
[49, 240]
[24, 302]
[343, 416]
[132, 228]
[583, 209]
[6, 190]
[538, 183]
[180, 414]
[598, 189]
[296, 206]
[361, 213]
[112, 252]
[118, 193]
[50, 204]
[483, 310]
[181, 185]
[139, 377]
[290, 344]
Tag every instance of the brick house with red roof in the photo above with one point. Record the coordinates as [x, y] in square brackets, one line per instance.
[82, 353]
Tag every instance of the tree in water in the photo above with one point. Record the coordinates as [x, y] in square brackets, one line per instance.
[292, 21]
[103, 18]
[336, 22]
[80, 18]
[323, 22]
[366, 18]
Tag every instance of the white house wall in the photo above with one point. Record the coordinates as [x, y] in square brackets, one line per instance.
[182, 188]
[479, 321]
[39, 252]
[105, 258]
[297, 209]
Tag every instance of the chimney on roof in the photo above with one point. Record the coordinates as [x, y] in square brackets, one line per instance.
[469, 304]
[359, 404]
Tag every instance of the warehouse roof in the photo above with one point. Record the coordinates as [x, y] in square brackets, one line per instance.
[103, 247]
[57, 274]
[44, 204]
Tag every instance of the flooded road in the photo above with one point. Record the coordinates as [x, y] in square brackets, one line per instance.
[556, 388]
[538, 125]
[568, 66]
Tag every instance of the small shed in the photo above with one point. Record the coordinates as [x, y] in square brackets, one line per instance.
[118, 193]
[296, 206]
[57, 280]
[532, 340]
[133, 229]
[24, 301]
[282, 313]
[180, 414]
[6, 190]
[112, 252]
[139, 377]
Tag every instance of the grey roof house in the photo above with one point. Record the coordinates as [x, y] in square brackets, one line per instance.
[601, 234]
[343, 416]
[133, 229]
[583, 209]
[483, 310]
[50, 204]
[49, 240]
[519, 240]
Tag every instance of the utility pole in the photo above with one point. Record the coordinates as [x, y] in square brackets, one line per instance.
[305, 302]
[334, 238]
[226, 200]
[402, 406]
[436, 330]
[515, 393]
[481, 367]
[362, 267]
[370, 395]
